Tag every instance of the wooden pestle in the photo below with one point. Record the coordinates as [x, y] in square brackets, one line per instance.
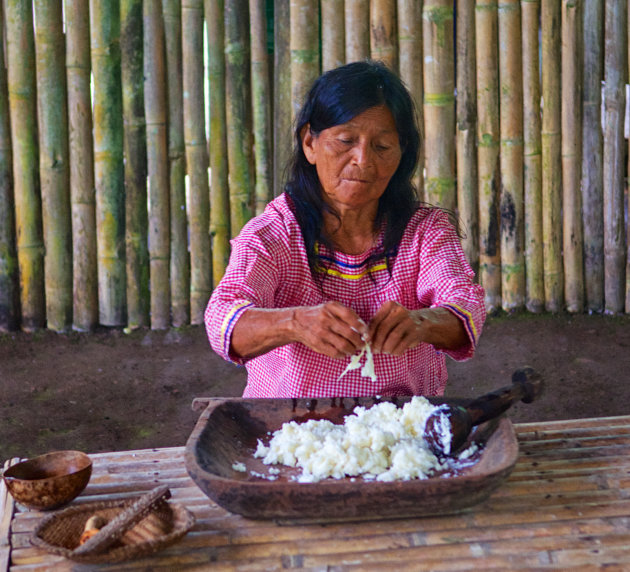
[449, 426]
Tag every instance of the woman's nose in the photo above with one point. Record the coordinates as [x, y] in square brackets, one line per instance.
[362, 154]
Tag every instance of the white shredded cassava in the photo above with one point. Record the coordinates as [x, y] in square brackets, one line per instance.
[382, 443]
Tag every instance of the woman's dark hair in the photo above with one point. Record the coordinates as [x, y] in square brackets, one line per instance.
[335, 98]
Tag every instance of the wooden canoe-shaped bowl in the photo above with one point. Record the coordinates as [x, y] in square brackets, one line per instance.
[227, 433]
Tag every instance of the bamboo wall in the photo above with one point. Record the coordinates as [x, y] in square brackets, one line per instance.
[137, 137]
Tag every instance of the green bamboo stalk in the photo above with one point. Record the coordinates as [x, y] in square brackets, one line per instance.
[532, 160]
[357, 30]
[219, 189]
[261, 100]
[511, 156]
[615, 66]
[383, 27]
[157, 159]
[551, 157]
[467, 195]
[333, 34]
[592, 175]
[439, 102]
[108, 161]
[282, 128]
[83, 201]
[28, 216]
[196, 158]
[304, 44]
[135, 169]
[410, 67]
[180, 259]
[238, 113]
[9, 279]
[53, 162]
[486, 23]
[573, 255]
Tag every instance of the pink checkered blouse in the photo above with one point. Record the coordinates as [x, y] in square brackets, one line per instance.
[268, 268]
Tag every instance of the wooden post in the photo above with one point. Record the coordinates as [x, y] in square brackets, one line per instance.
[592, 151]
[180, 259]
[551, 156]
[615, 69]
[410, 64]
[108, 161]
[157, 160]
[383, 28]
[53, 162]
[28, 213]
[488, 151]
[83, 200]
[219, 189]
[261, 104]
[572, 251]
[357, 24]
[9, 289]
[532, 160]
[238, 113]
[196, 158]
[282, 127]
[467, 195]
[439, 102]
[333, 34]
[511, 156]
[135, 169]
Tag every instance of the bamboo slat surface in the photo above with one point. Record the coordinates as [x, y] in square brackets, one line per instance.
[566, 505]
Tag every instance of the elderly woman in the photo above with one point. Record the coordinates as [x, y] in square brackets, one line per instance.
[346, 259]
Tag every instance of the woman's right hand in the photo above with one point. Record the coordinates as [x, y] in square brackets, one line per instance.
[330, 328]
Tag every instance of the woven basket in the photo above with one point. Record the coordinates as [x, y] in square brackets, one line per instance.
[60, 532]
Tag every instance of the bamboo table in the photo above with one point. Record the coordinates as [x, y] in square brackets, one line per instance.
[565, 506]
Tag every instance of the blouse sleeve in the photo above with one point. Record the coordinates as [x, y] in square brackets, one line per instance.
[446, 280]
[250, 280]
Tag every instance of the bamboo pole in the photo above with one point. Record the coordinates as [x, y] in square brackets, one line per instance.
[572, 250]
[261, 99]
[333, 34]
[108, 161]
[28, 216]
[439, 102]
[9, 280]
[532, 160]
[135, 168]
[383, 27]
[282, 128]
[196, 158]
[592, 151]
[157, 159]
[180, 259]
[357, 30]
[304, 45]
[238, 113]
[83, 200]
[219, 189]
[410, 64]
[467, 195]
[511, 156]
[486, 23]
[53, 162]
[551, 157]
[615, 66]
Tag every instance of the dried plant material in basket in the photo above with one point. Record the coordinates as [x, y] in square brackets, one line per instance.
[60, 533]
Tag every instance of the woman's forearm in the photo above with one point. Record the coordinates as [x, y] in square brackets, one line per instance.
[440, 328]
[260, 329]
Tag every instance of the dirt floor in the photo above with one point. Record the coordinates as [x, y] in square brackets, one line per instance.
[111, 391]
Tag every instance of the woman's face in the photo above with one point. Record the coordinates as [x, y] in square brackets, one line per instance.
[355, 160]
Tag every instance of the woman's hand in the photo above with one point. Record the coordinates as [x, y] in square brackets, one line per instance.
[395, 329]
[330, 328]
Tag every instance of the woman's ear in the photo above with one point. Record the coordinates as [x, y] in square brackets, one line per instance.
[308, 141]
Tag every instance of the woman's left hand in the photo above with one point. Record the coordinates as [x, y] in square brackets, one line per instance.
[395, 329]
